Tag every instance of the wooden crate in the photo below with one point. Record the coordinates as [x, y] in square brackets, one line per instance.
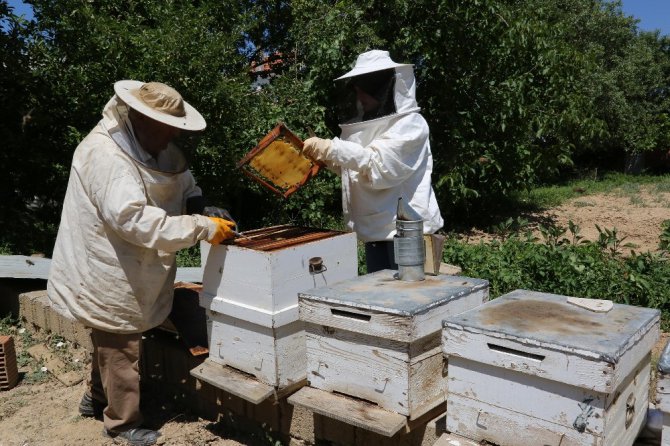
[378, 338]
[9, 374]
[529, 368]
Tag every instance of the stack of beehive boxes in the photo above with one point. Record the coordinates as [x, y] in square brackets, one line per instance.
[377, 338]
[533, 368]
[251, 297]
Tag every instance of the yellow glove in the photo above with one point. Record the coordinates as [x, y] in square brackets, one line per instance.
[317, 148]
[225, 230]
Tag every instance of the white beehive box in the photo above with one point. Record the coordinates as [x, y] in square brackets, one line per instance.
[378, 339]
[532, 369]
[250, 291]
[663, 393]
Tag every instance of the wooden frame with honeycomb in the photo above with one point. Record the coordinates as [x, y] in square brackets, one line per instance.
[277, 162]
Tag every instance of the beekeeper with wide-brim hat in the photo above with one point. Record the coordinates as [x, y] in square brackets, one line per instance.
[383, 153]
[161, 103]
[125, 215]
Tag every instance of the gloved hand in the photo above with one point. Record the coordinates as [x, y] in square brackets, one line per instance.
[317, 148]
[225, 230]
[213, 211]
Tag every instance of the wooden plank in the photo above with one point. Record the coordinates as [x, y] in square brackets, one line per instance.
[55, 366]
[348, 410]
[28, 267]
[189, 274]
[233, 382]
[24, 267]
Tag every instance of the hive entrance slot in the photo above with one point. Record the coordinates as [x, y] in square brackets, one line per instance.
[512, 351]
[350, 315]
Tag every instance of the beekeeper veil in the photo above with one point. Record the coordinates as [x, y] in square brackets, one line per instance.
[376, 87]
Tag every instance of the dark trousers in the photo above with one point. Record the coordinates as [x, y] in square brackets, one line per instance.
[380, 255]
[115, 378]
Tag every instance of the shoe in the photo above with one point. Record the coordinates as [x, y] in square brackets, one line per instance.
[135, 437]
[88, 407]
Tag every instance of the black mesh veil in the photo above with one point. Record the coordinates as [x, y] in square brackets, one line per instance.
[365, 97]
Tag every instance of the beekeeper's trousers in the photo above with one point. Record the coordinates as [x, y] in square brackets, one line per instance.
[115, 378]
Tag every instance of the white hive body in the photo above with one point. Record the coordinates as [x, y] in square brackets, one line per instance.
[663, 393]
[250, 291]
[378, 339]
[530, 368]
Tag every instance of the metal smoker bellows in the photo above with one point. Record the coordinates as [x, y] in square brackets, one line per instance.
[408, 245]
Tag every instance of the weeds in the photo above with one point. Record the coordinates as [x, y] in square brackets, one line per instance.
[562, 262]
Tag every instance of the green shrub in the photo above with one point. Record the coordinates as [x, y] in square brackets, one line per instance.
[567, 265]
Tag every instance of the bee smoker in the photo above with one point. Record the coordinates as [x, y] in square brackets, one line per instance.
[408, 244]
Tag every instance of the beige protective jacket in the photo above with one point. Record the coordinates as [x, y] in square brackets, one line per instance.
[113, 264]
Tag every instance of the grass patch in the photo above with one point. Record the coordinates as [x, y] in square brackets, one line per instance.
[612, 182]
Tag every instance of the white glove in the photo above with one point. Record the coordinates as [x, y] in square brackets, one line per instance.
[317, 148]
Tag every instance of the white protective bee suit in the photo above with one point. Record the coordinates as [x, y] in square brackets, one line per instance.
[385, 158]
[113, 264]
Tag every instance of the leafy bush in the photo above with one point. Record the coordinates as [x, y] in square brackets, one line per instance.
[564, 263]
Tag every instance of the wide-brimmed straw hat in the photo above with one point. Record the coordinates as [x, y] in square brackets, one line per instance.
[161, 103]
[373, 60]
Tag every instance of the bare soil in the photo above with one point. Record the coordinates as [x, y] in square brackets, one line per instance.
[45, 412]
[637, 217]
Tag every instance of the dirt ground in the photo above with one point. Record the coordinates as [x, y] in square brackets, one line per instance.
[637, 217]
[45, 412]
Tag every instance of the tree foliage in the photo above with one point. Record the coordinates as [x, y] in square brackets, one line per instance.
[514, 91]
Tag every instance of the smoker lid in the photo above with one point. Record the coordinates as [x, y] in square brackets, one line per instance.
[379, 291]
[277, 162]
[548, 320]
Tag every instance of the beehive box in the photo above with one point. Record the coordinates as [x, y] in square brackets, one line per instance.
[9, 374]
[663, 393]
[377, 338]
[530, 368]
[250, 291]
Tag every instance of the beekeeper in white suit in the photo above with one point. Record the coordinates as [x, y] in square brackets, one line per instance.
[383, 153]
[123, 220]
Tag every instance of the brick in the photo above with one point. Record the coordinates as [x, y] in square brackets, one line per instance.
[334, 431]
[298, 422]
[9, 374]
